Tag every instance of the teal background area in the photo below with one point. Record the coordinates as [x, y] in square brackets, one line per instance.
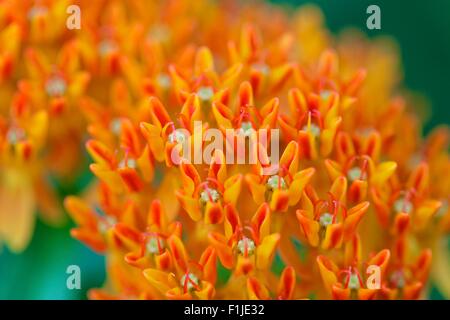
[422, 29]
[40, 271]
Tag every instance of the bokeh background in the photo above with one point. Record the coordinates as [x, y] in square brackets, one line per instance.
[422, 31]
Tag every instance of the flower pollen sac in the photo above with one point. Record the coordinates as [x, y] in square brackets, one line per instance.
[246, 247]
[209, 194]
[276, 182]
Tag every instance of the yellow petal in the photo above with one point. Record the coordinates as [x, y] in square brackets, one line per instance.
[383, 172]
[266, 250]
[301, 179]
[328, 272]
[256, 189]
[17, 205]
[159, 279]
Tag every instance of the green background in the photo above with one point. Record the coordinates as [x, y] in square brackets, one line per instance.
[422, 29]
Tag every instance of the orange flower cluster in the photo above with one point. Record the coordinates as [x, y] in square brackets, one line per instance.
[356, 185]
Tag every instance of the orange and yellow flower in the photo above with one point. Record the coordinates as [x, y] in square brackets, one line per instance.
[130, 87]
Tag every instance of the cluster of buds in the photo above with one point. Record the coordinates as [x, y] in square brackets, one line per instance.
[351, 191]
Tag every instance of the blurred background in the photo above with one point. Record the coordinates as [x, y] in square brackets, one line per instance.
[422, 30]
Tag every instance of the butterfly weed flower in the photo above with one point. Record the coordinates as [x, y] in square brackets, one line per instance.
[130, 88]
[345, 185]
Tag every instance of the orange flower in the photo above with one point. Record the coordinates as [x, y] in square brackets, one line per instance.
[191, 279]
[246, 248]
[94, 230]
[22, 139]
[410, 203]
[150, 247]
[406, 281]
[328, 222]
[208, 198]
[356, 161]
[162, 136]
[283, 189]
[348, 282]
[286, 287]
[132, 86]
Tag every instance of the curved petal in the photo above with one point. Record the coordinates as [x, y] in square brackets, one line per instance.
[266, 250]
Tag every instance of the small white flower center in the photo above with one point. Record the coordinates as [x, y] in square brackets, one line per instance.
[403, 205]
[205, 93]
[154, 245]
[246, 128]
[209, 195]
[315, 130]
[398, 279]
[177, 136]
[246, 246]
[15, 135]
[261, 67]
[325, 94]
[353, 282]
[326, 219]
[159, 33]
[189, 280]
[130, 163]
[104, 224]
[163, 80]
[37, 11]
[115, 126]
[365, 132]
[355, 174]
[106, 47]
[55, 86]
[276, 182]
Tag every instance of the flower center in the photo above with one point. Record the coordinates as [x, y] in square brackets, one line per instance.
[209, 194]
[325, 94]
[55, 86]
[155, 245]
[276, 182]
[246, 128]
[398, 279]
[403, 205]
[246, 246]
[205, 93]
[326, 219]
[159, 33]
[189, 281]
[261, 67]
[353, 282]
[177, 137]
[37, 11]
[105, 223]
[129, 162]
[15, 135]
[163, 80]
[314, 129]
[355, 173]
[115, 126]
[106, 47]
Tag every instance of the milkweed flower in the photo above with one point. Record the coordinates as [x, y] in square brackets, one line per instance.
[209, 197]
[352, 285]
[406, 280]
[348, 192]
[285, 188]
[341, 190]
[328, 222]
[21, 140]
